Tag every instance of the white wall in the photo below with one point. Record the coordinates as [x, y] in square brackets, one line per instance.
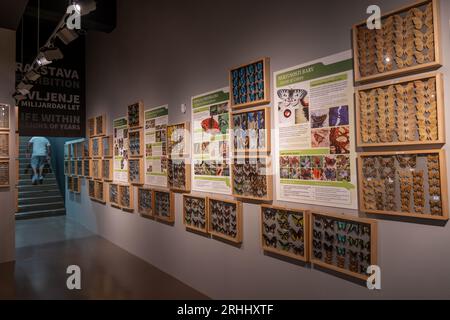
[7, 196]
[166, 52]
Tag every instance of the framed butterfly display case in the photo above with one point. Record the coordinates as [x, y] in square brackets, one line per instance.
[136, 143]
[79, 166]
[100, 125]
[87, 168]
[178, 140]
[107, 169]
[285, 232]
[126, 201]
[225, 219]
[250, 84]
[136, 171]
[195, 213]
[100, 191]
[70, 184]
[405, 112]
[91, 127]
[135, 115]
[145, 202]
[76, 185]
[4, 173]
[343, 243]
[409, 183]
[178, 175]
[251, 130]
[73, 167]
[91, 189]
[96, 167]
[85, 149]
[252, 178]
[113, 194]
[107, 147]
[4, 145]
[96, 147]
[163, 206]
[67, 167]
[4, 117]
[408, 41]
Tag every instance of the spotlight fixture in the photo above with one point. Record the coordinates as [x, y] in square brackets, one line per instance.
[19, 97]
[52, 54]
[32, 75]
[41, 60]
[24, 88]
[86, 7]
[66, 35]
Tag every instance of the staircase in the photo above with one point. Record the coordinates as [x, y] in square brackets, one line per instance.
[41, 200]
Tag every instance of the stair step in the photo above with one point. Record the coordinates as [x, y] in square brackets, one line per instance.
[55, 197]
[28, 182]
[27, 176]
[41, 206]
[38, 193]
[39, 214]
[39, 187]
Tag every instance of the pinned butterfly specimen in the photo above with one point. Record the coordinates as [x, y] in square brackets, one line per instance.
[328, 224]
[364, 257]
[340, 251]
[328, 237]
[269, 214]
[283, 234]
[270, 242]
[317, 234]
[270, 228]
[297, 235]
[300, 250]
[328, 247]
[317, 254]
[341, 238]
[342, 226]
[298, 221]
[286, 246]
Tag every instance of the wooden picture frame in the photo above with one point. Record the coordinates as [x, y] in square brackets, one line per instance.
[4, 145]
[136, 143]
[237, 205]
[4, 174]
[91, 189]
[5, 111]
[100, 192]
[107, 170]
[422, 135]
[136, 171]
[176, 167]
[87, 169]
[67, 167]
[96, 169]
[257, 95]
[85, 145]
[70, 183]
[167, 203]
[145, 201]
[346, 227]
[91, 128]
[100, 125]
[189, 212]
[96, 148]
[299, 252]
[107, 147]
[135, 115]
[178, 140]
[126, 200]
[424, 198]
[238, 178]
[400, 70]
[244, 135]
[79, 168]
[76, 185]
[113, 195]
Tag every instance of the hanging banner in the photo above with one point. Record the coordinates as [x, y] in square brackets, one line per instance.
[211, 142]
[314, 144]
[155, 132]
[120, 129]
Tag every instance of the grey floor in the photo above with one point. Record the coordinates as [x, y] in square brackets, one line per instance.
[46, 247]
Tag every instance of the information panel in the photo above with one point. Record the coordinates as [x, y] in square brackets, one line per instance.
[120, 128]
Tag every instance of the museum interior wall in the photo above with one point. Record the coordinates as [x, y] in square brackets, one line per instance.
[162, 55]
[7, 194]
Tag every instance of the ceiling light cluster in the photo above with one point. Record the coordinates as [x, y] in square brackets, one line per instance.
[50, 52]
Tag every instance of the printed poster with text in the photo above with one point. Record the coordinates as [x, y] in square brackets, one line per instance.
[156, 121]
[211, 142]
[120, 129]
[315, 147]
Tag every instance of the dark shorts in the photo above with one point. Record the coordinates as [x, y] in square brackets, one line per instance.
[38, 161]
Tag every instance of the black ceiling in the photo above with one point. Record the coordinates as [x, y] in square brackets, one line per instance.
[11, 12]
